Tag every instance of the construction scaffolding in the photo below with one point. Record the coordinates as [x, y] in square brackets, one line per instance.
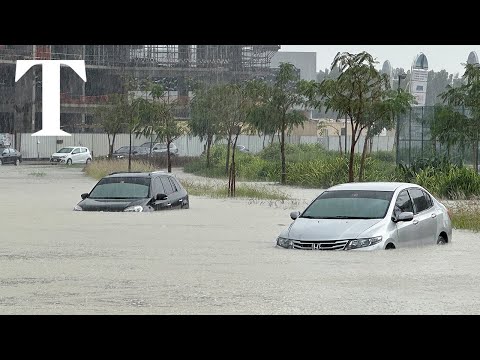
[177, 67]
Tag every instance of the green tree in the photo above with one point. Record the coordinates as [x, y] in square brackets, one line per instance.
[466, 93]
[381, 114]
[449, 126]
[354, 94]
[205, 118]
[240, 101]
[110, 119]
[276, 104]
[157, 119]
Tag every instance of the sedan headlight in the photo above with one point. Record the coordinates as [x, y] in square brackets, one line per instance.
[285, 243]
[136, 208]
[360, 243]
[77, 208]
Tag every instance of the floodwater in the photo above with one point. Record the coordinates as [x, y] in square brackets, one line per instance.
[218, 257]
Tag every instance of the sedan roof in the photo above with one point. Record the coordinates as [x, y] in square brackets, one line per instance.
[375, 186]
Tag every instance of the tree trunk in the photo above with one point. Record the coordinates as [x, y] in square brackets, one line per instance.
[362, 161]
[130, 152]
[151, 144]
[110, 151]
[264, 137]
[169, 161]
[340, 144]
[228, 151]
[352, 153]
[282, 151]
[475, 154]
[232, 174]
[113, 144]
[209, 144]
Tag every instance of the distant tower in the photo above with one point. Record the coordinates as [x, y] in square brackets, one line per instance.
[472, 58]
[387, 69]
[418, 82]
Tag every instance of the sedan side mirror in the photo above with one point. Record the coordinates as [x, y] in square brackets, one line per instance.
[161, 197]
[405, 216]
[294, 214]
[84, 196]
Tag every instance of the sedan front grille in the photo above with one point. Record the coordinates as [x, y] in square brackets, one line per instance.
[320, 245]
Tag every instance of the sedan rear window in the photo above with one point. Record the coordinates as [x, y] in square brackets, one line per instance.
[350, 204]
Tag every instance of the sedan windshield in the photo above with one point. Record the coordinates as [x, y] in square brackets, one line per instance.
[124, 149]
[65, 150]
[121, 188]
[349, 204]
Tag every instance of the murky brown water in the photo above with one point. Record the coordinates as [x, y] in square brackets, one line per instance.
[218, 257]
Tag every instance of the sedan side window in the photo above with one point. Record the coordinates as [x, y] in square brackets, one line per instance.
[76, 151]
[5, 152]
[419, 200]
[403, 203]
[428, 199]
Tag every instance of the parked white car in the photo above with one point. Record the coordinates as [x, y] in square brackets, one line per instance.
[71, 155]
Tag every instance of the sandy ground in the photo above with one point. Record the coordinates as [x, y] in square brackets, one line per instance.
[218, 257]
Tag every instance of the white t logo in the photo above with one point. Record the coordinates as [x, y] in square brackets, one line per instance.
[50, 90]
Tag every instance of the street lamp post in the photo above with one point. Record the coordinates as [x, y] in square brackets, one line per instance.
[397, 131]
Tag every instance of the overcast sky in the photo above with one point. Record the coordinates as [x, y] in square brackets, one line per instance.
[448, 57]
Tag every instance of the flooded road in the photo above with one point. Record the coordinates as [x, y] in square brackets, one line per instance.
[218, 257]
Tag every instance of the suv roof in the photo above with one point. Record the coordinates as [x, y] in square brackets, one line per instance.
[138, 174]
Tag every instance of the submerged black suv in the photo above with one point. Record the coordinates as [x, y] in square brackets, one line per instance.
[135, 192]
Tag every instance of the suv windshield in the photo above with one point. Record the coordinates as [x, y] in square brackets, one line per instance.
[349, 204]
[121, 188]
[65, 150]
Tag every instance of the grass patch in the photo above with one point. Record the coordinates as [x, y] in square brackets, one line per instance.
[466, 219]
[100, 168]
[241, 191]
[37, 174]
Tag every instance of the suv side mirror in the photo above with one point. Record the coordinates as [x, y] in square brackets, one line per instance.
[161, 197]
[84, 196]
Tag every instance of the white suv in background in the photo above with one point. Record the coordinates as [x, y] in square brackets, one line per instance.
[71, 155]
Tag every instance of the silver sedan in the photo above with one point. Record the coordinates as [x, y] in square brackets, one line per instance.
[369, 216]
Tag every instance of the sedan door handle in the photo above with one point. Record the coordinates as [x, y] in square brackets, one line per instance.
[169, 204]
[180, 200]
[434, 216]
[415, 222]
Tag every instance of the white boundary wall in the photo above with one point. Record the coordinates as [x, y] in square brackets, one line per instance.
[187, 145]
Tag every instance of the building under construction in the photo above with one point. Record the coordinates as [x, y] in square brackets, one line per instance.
[176, 67]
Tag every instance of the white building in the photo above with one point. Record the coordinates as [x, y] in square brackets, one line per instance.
[306, 62]
[418, 81]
